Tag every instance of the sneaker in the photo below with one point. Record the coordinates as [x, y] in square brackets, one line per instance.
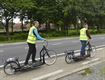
[35, 61]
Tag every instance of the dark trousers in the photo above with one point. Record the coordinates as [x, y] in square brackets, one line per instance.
[31, 51]
[83, 43]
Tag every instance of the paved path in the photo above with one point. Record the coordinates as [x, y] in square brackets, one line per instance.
[96, 72]
[56, 71]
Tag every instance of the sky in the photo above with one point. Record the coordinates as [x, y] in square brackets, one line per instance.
[15, 20]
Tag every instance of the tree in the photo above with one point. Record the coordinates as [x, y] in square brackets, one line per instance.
[11, 7]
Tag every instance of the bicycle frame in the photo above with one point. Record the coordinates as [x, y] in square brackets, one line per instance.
[88, 44]
[42, 53]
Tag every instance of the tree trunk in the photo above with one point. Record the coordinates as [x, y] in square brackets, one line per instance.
[22, 25]
[66, 27]
[7, 29]
[12, 26]
[47, 25]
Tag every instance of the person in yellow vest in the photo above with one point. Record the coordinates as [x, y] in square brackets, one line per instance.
[33, 35]
[84, 37]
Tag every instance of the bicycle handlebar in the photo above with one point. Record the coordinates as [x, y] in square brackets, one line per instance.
[45, 43]
[88, 43]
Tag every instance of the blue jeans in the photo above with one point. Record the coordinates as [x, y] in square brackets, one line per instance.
[83, 43]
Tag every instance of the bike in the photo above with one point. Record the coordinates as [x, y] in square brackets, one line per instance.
[90, 51]
[12, 65]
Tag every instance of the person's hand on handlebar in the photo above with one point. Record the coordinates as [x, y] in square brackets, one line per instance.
[44, 40]
[89, 42]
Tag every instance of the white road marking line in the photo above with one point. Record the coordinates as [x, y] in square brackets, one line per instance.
[1, 45]
[77, 54]
[100, 48]
[1, 66]
[96, 59]
[1, 50]
[93, 60]
[84, 63]
[26, 47]
[56, 43]
[77, 50]
[48, 75]
[60, 54]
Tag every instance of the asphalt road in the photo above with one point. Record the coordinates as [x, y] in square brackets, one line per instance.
[20, 50]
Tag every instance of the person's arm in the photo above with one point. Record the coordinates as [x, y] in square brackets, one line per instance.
[88, 34]
[37, 35]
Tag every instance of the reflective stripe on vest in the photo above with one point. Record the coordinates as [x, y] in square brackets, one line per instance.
[83, 35]
[31, 37]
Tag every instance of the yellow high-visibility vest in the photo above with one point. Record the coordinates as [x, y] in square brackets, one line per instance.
[31, 37]
[83, 35]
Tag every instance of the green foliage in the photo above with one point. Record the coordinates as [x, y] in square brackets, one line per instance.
[95, 31]
[73, 33]
[48, 34]
[19, 36]
[13, 37]
[60, 12]
[87, 72]
[52, 33]
[60, 23]
[102, 71]
[3, 38]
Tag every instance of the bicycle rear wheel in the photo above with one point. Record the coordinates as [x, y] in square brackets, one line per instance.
[50, 57]
[10, 68]
[68, 58]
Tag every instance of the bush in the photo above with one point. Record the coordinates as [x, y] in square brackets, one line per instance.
[19, 36]
[13, 37]
[48, 34]
[3, 38]
[95, 31]
[73, 33]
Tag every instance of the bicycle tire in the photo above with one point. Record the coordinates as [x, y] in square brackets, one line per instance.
[10, 66]
[50, 57]
[68, 59]
[92, 51]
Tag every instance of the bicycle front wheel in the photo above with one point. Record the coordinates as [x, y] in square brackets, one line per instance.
[50, 57]
[92, 51]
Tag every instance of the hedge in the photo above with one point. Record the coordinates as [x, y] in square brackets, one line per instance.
[47, 34]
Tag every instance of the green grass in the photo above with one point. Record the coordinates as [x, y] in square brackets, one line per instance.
[87, 72]
[12, 41]
[102, 71]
